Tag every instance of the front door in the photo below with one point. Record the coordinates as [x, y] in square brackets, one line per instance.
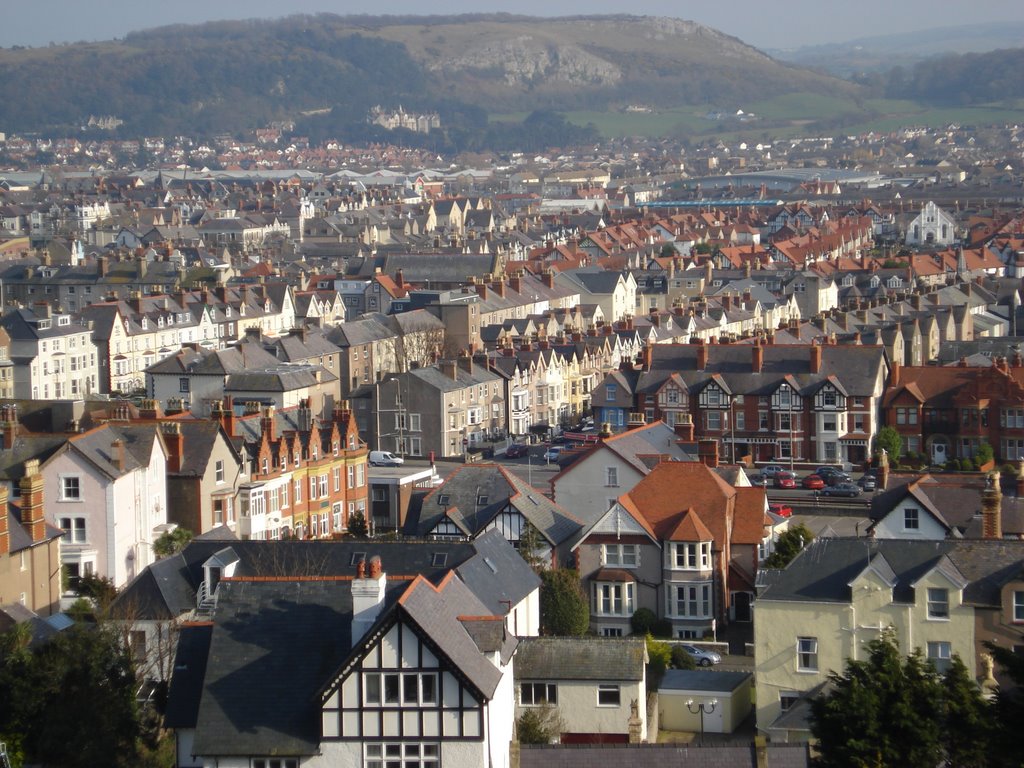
[741, 606]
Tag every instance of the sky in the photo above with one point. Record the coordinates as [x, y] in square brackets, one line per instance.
[764, 24]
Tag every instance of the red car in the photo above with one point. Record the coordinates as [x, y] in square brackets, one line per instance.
[516, 450]
[813, 483]
[784, 480]
[782, 510]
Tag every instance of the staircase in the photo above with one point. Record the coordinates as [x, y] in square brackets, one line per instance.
[205, 606]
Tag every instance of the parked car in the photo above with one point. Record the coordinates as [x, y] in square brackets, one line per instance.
[784, 479]
[841, 489]
[782, 510]
[385, 459]
[552, 453]
[772, 470]
[813, 483]
[703, 657]
[759, 480]
[516, 451]
[868, 483]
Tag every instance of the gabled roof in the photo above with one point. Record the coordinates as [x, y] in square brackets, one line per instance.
[581, 658]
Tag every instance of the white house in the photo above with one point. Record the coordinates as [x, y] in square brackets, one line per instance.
[932, 226]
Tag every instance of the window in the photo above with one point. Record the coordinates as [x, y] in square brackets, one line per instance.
[622, 555]
[614, 599]
[402, 755]
[70, 489]
[1018, 606]
[940, 654]
[275, 762]
[787, 699]
[183, 384]
[610, 391]
[692, 601]
[911, 519]
[740, 421]
[531, 694]
[693, 556]
[611, 476]
[938, 603]
[298, 491]
[713, 420]
[323, 486]
[74, 529]
[608, 695]
[219, 471]
[807, 654]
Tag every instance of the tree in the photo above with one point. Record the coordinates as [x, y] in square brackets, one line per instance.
[888, 439]
[357, 524]
[984, 453]
[531, 546]
[172, 542]
[539, 725]
[72, 699]
[788, 546]
[1007, 748]
[564, 609]
[659, 658]
[891, 709]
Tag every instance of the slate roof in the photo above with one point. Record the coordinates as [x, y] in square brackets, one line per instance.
[189, 670]
[643, 755]
[581, 658]
[469, 484]
[823, 571]
[706, 681]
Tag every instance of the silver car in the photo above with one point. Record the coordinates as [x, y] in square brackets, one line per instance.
[703, 657]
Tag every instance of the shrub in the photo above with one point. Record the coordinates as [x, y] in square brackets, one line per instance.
[659, 657]
[539, 725]
[681, 659]
[662, 628]
[643, 621]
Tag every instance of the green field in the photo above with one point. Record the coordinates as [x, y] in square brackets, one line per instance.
[788, 116]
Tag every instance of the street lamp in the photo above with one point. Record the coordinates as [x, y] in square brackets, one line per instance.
[703, 707]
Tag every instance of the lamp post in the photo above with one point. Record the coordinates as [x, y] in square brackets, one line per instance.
[702, 707]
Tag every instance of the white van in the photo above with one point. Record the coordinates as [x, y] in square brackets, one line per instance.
[385, 459]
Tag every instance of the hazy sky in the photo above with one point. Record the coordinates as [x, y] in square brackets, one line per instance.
[760, 23]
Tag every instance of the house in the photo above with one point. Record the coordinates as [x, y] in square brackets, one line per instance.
[594, 480]
[53, 356]
[478, 497]
[392, 491]
[415, 666]
[613, 291]
[948, 412]
[445, 410]
[597, 685]
[106, 488]
[30, 572]
[942, 597]
[668, 545]
[806, 403]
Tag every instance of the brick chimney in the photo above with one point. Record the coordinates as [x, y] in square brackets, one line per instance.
[117, 454]
[702, 356]
[992, 508]
[516, 283]
[707, 452]
[367, 597]
[31, 486]
[548, 278]
[450, 369]
[175, 442]
[647, 356]
[466, 362]
[5, 537]
[756, 357]
[815, 361]
[9, 424]
[894, 373]
[267, 422]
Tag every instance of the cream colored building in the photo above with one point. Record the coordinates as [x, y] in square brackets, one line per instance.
[841, 593]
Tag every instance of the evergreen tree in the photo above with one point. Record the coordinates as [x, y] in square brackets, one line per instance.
[357, 524]
[788, 546]
[564, 609]
[968, 730]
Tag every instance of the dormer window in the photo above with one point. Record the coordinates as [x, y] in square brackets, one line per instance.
[145, 324]
[227, 311]
[692, 556]
[64, 320]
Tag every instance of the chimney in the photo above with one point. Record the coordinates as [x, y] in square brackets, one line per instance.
[516, 283]
[31, 486]
[102, 265]
[647, 356]
[991, 508]
[548, 278]
[254, 333]
[815, 358]
[883, 471]
[449, 369]
[702, 356]
[5, 538]
[175, 442]
[707, 452]
[684, 428]
[149, 410]
[117, 454]
[400, 279]
[894, 374]
[794, 328]
[756, 357]
[466, 361]
[367, 597]
[9, 427]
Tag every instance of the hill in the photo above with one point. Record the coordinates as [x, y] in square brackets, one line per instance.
[328, 71]
[881, 53]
